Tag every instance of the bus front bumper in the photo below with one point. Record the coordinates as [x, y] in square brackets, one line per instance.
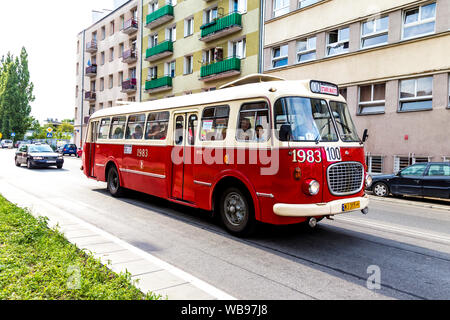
[319, 209]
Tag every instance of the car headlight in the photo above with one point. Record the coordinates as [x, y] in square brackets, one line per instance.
[313, 187]
[368, 180]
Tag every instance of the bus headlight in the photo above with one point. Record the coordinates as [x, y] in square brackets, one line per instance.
[368, 180]
[313, 187]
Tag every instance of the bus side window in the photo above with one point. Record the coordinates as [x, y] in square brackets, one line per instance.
[92, 133]
[135, 127]
[104, 128]
[117, 127]
[253, 122]
[214, 123]
[192, 127]
[179, 127]
[157, 124]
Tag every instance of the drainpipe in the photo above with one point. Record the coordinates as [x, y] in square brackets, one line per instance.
[82, 89]
[140, 50]
[261, 37]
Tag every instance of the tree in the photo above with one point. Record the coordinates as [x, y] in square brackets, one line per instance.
[16, 94]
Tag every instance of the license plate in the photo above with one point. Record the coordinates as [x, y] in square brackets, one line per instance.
[51, 161]
[351, 206]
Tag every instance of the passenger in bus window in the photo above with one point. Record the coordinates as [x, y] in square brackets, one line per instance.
[137, 133]
[117, 133]
[155, 132]
[259, 130]
[245, 131]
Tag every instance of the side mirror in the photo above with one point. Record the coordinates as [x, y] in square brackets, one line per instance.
[365, 135]
[399, 173]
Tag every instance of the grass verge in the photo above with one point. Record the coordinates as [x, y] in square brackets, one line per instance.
[39, 263]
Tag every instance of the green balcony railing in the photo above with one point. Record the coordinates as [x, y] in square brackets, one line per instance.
[166, 10]
[233, 19]
[221, 66]
[162, 47]
[158, 83]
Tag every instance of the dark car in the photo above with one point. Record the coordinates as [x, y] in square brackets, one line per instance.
[430, 179]
[70, 149]
[38, 155]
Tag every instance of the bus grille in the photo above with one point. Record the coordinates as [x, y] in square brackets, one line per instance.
[345, 178]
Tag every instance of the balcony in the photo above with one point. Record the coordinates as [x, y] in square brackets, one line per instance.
[90, 96]
[221, 27]
[130, 26]
[129, 56]
[156, 85]
[159, 51]
[129, 86]
[221, 69]
[91, 71]
[91, 47]
[159, 17]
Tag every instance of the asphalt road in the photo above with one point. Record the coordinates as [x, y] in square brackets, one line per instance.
[408, 244]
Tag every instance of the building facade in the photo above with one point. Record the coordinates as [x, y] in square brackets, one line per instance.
[193, 46]
[390, 58]
[108, 63]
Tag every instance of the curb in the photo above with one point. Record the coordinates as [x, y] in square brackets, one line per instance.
[411, 203]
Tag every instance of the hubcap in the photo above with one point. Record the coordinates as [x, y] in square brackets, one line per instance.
[235, 208]
[114, 181]
[380, 190]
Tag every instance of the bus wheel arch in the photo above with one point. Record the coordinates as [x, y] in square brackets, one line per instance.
[233, 189]
[113, 179]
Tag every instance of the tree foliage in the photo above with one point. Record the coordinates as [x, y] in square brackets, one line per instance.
[16, 94]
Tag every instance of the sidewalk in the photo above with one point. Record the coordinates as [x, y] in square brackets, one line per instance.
[152, 273]
[418, 203]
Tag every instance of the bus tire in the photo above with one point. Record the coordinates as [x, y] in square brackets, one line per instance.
[113, 183]
[237, 212]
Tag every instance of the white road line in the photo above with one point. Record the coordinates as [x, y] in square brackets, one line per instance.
[209, 289]
[396, 228]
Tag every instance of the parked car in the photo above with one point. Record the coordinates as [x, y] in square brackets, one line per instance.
[430, 179]
[70, 149]
[6, 143]
[38, 155]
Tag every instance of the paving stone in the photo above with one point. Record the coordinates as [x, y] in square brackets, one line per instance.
[135, 267]
[89, 240]
[157, 280]
[103, 247]
[119, 257]
[79, 233]
[186, 291]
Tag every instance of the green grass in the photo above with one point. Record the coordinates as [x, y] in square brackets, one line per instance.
[39, 263]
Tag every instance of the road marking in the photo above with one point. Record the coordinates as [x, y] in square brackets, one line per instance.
[8, 193]
[395, 228]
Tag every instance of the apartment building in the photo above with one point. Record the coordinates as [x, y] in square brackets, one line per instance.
[108, 63]
[389, 57]
[193, 46]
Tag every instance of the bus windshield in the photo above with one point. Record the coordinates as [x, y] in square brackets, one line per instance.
[303, 119]
[344, 122]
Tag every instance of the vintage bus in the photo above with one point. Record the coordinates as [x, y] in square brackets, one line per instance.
[258, 149]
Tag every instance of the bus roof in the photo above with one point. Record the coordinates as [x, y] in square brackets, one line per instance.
[266, 89]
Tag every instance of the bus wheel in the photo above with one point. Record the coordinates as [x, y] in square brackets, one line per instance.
[113, 183]
[237, 212]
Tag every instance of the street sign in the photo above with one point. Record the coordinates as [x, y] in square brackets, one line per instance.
[13, 134]
[49, 134]
[49, 130]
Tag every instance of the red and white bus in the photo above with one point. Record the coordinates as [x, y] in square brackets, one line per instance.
[258, 149]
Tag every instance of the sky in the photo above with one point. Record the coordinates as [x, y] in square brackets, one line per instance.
[48, 30]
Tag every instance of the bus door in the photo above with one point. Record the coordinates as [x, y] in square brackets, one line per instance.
[185, 129]
[91, 146]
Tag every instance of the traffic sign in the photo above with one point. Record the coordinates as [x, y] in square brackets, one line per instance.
[49, 129]
[49, 135]
[13, 134]
[1, 135]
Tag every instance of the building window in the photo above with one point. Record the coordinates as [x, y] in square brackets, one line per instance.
[238, 48]
[188, 64]
[111, 81]
[120, 78]
[76, 91]
[152, 6]
[78, 46]
[188, 27]
[280, 7]
[280, 56]
[416, 94]
[210, 15]
[343, 92]
[121, 49]
[152, 73]
[338, 41]
[306, 49]
[374, 32]
[93, 86]
[111, 54]
[110, 104]
[170, 69]
[238, 6]
[306, 3]
[103, 33]
[153, 40]
[100, 106]
[171, 33]
[132, 73]
[102, 58]
[94, 36]
[111, 26]
[419, 21]
[374, 164]
[372, 98]
[78, 68]
[102, 84]
[122, 22]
